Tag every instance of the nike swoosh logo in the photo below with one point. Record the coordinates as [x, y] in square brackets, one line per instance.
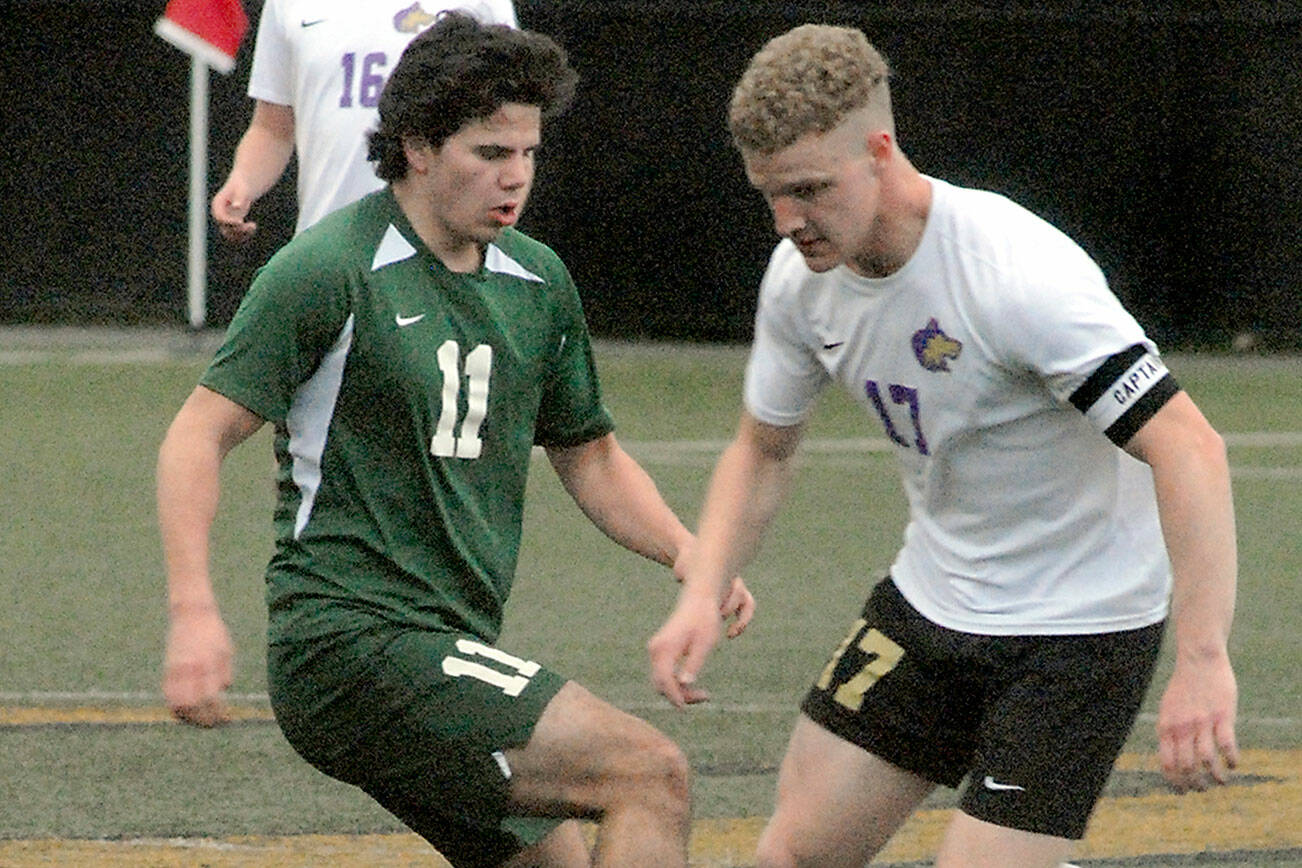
[312, 23]
[832, 346]
[991, 784]
[408, 320]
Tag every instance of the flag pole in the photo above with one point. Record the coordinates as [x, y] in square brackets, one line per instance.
[210, 32]
[198, 271]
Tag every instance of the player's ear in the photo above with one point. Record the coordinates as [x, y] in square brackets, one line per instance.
[418, 153]
[880, 143]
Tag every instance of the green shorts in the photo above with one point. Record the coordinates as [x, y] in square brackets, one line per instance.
[419, 720]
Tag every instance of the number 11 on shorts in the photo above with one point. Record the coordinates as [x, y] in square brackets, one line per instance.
[511, 685]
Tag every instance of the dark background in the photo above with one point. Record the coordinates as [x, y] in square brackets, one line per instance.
[1165, 138]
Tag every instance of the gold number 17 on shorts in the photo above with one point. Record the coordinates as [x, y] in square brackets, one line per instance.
[883, 654]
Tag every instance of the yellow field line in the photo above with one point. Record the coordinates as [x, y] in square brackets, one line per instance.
[38, 716]
[1262, 811]
[1256, 815]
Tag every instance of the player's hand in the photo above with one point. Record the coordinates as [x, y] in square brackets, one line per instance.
[197, 667]
[738, 605]
[1195, 724]
[230, 206]
[679, 648]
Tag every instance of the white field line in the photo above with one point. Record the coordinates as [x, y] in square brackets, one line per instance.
[1262, 439]
[844, 451]
[771, 705]
[1281, 473]
[852, 445]
[141, 356]
[162, 345]
[195, 844]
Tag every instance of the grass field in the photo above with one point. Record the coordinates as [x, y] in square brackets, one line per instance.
[91, 771]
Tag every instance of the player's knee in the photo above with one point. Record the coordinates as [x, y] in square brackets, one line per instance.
[652, 775]
[666, 772]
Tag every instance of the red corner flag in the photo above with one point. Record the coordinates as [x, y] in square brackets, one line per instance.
[210, 30]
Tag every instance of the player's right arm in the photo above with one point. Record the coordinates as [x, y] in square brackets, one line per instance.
[261, 158]
[749, 482]
[197, 665]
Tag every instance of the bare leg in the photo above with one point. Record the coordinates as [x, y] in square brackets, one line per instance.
[588, 759]
[563, 848]
[837, 804]
[973, 843]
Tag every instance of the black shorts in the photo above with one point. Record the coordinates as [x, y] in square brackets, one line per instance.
[1034, 722]
[420, 721]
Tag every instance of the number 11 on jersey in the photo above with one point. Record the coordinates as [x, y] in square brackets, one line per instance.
[447, 443]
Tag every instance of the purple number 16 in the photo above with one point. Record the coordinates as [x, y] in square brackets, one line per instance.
[899, 395]
[369, 85]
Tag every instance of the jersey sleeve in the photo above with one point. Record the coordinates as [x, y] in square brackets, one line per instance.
[287, 322]
[783, 376]
[270, 75]
[1090, 352]
[571, 411]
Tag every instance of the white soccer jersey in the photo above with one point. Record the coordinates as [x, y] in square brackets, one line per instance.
[329, 60]
[995, 360]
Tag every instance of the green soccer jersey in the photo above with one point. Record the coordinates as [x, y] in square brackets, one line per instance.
[406, 400]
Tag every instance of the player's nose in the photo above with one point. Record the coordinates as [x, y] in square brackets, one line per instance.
[517, 172]
[787, 216]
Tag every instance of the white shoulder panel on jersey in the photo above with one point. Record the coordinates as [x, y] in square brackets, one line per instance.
[497, 261]
[393, 248]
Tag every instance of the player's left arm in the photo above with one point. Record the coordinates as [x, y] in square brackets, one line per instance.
[622, 500]
[261, 157]
[1192, 479]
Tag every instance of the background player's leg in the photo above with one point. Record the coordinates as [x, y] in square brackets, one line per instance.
[973, 843]
[587, 758]
[837, 804]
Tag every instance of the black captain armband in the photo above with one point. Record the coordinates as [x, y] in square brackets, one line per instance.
[1125, 392]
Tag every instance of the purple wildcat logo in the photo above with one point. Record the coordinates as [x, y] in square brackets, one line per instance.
[934, 348]
[413, 19]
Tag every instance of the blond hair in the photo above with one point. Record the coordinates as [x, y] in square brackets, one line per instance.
[807, 81]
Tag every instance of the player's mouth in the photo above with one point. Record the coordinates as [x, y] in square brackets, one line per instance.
[506, 214]
[810, 246]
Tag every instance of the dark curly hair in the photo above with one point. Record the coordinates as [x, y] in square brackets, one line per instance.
[461, 70]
